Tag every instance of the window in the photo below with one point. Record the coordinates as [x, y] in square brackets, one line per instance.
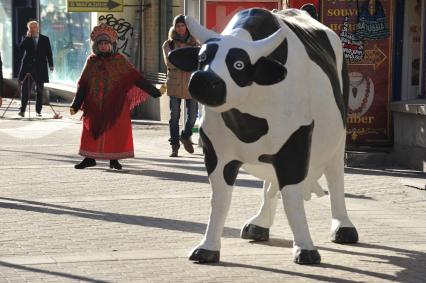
[6, 36]
[411, 78]
[69, 35]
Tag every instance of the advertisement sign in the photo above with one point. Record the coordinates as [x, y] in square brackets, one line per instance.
[367, 43]
[219, 13]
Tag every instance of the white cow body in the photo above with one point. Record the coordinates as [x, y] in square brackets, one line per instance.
[302, 98]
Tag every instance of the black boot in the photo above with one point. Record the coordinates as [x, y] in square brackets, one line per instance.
[175, 149]
[87, 162]
[115, 164]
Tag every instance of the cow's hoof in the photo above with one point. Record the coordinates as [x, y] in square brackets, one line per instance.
[345, 235]
[205, 256]
[255, 233]
[307, 257]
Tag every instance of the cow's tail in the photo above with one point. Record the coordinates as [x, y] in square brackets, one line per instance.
[345, 86]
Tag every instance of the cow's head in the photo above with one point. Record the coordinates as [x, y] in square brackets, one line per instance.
[226, 66]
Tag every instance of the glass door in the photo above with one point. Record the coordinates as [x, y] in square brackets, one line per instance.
[412, 47]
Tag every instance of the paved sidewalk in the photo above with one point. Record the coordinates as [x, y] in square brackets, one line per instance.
[58, 224]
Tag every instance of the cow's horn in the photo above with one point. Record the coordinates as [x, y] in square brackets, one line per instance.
[266, 46]
[198, 31]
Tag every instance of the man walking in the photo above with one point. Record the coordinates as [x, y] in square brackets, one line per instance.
[37, 56]
[1, 80]
[177, 88]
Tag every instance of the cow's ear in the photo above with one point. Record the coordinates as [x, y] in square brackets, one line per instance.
[185, 58]
[268, 72]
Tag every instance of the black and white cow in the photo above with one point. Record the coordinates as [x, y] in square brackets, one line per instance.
[275, 90]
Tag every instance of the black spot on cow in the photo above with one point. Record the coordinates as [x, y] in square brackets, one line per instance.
[291, 162]
[210, 157]
[207, 54]
[239, 66]
[266, 71]
[320, 51]
[246, 127]
[230, 171]
[261, 23]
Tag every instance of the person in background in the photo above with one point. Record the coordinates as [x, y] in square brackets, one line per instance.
[1, 80]
[109, 87]
[177, 88]
[310, 8]
[37, 56]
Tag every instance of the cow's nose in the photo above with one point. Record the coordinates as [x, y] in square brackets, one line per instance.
[208, 88]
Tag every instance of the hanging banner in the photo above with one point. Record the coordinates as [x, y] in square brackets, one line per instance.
[369, 57]
[219, 13]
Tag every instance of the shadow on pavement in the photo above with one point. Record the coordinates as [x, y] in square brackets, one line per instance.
[288, 272]
[182, 177]
[53, 273]
[391, 172]
[146, 221]
[403, 259]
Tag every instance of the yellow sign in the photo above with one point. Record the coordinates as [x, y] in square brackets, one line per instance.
[95, 5]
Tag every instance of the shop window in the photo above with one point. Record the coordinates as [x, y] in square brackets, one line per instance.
[69, 35]
[6, 36]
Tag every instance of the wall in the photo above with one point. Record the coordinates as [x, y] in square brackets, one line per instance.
[410, 134]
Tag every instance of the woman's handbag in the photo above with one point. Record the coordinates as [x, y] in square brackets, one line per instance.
[353, 46]
[372, 23]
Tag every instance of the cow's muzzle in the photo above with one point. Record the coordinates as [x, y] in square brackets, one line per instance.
[208, 88]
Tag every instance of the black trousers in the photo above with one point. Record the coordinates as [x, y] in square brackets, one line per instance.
[26, 89]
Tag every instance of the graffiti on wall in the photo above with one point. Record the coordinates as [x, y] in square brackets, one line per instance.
[124, 30]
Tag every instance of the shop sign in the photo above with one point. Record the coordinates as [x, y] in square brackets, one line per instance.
[95, 5]
[370, 74]
[219, 13]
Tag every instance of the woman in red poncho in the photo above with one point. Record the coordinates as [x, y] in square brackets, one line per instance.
[109, 87]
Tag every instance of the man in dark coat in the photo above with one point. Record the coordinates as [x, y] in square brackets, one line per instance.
[37, 56]
[1, 79]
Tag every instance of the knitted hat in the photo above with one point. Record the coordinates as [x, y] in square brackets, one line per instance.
[179, 19]
[103, 32]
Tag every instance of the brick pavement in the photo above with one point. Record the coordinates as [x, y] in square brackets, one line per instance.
[58, 224]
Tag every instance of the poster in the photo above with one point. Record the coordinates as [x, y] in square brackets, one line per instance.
[370, 67]
[219, 13]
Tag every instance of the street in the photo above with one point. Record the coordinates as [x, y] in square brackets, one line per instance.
[59, 224]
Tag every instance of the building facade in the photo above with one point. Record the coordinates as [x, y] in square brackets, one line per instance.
[387, 73]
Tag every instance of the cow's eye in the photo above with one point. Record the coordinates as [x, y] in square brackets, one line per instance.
[239, 65]
[202, 57]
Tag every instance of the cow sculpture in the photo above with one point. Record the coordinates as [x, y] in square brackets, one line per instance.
[275, 88]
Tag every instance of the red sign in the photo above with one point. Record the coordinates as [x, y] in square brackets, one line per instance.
[219, 13]
[370, 71]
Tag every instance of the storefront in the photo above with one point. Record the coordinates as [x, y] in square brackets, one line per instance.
[142, 27]
[383, 42]
[6, 37]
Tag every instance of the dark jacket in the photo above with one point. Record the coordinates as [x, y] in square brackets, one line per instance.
[1, 78]
[35, 61]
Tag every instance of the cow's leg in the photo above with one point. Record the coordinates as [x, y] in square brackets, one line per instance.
[342, 229]
[257, 228]
[304, 251]
[209, 248]
[222, 177]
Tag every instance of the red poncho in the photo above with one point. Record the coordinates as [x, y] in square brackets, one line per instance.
[108, 86]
